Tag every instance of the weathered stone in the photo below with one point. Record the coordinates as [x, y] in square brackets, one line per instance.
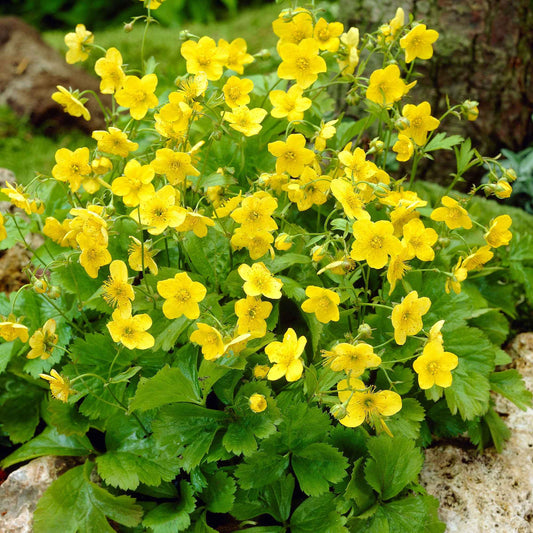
[22, 489]
[30, 72]
[491, 491]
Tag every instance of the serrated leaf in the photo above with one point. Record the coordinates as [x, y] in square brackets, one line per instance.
[49, 442]
[72, 503]
[191, 426]
[317, 513]
[126, 375]
[219, 494]
[510, 384]
[442, 142]
[166, 332]
[317, 466]
[406, 422]
[394, 463]
[358, 489]
[169, 385]
[499, 432]
[260, 469]
[133, 458]
[19, 415]
[6, 351]
[285, 260]
[172, 517]
[67, 419]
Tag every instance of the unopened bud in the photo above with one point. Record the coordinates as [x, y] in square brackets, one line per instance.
[364, 331]
[260, 371]
[352, 98]
[54, 293]
[401, 123]
[470, 109]
[338, 411]
[40, 286]
[184, 35]
[128, 27]
[510, 174]
[263, 54]
[376, 146]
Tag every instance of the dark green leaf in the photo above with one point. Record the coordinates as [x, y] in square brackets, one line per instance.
[318, 513]
[67, 419]
[220, 492]
[510, 384]
[260, 469]
[394, 463]
[406, 422]
[358, 489]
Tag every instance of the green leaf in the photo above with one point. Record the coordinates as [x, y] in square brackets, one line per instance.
[286, 260]
[394, 463]
[73, 503]
[133, 458]
[172, 517]
[219, 494]
[469, 392]
[6, 351]
[67, 419]
[73, 279]
[441, 142]
[19, 415]
[499, 432]
[406, 422]
[169, 385]
[510, 384]
[317, 514]
[191, 426]
[494, 324]
[358, 489]
[317, 466]
[49, 442]
[260, 469]
[166, 332]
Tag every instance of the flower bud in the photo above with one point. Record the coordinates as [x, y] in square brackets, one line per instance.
[263, 54]
[54, 293]
[40, 286]
[364, 331]
[260, 371]
[184, 35]
[318, 253]
[376, 146]
[510, 174]
[128, 26]
[338, 411]
[401, 123]
[352, 98]
[257, 403]
[470, 109]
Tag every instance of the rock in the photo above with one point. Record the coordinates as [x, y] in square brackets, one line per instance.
[30, 72]
[492, 491]
[22, 489]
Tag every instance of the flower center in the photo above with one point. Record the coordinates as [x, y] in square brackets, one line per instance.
[323, 35]
[183, 295]
[289, 154]
[376, 242]
[433, 367]
[302, 64]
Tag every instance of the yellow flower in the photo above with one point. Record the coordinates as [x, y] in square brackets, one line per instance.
[407, 316]
[196, 223]
[59, 386]
[327, 131]
[237, 91]
[182, 295]
[57, 231]
[374, 242]
[292, 155]
[301, 62]
[391, 30]
[71, 103]
[470, 109]
[282, 242]
[434, 366]
[101, 165]
[252, 314]
[476, 260]
[397, 268]
[365, 404]
[259, 281]
[135, 186]
[418, 43]
[204, 56]
[327, 35]
[435, 334]
[318, 253]
[78, 43]
[137, 94]
[19, 198]
[286, 357]
[309, 189]
[10, 330]
[71, 166]
[274, 181]
[257, 403]
[351, 359]
[154, 4]
[502, 189]
[323, 302]
[349, 198]
[109, 68]
[193, 87]
[93, 255]
[43, 341]
[499, 234]
[290, 104]
[348, 56]
[420, 120]
[403, 147]
[419, 240]
[261, 371]
[117, 291]
[293, 26]
[258, 243]
[114, 141]
[173, 118]
[247, 121]
[159, 212]
[255, 212]
[355, 164]
[210, 340]
[236, 54]
[452, 214]
[3, 232]
[386, 86]
[131, 330]
[459, 274]
[228, 206]
[141, 257]
[176, 166]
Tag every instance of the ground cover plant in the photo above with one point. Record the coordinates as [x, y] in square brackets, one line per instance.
[246, 310]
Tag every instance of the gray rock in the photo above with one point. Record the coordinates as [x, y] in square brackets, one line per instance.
[21, 491]
[489, 492]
